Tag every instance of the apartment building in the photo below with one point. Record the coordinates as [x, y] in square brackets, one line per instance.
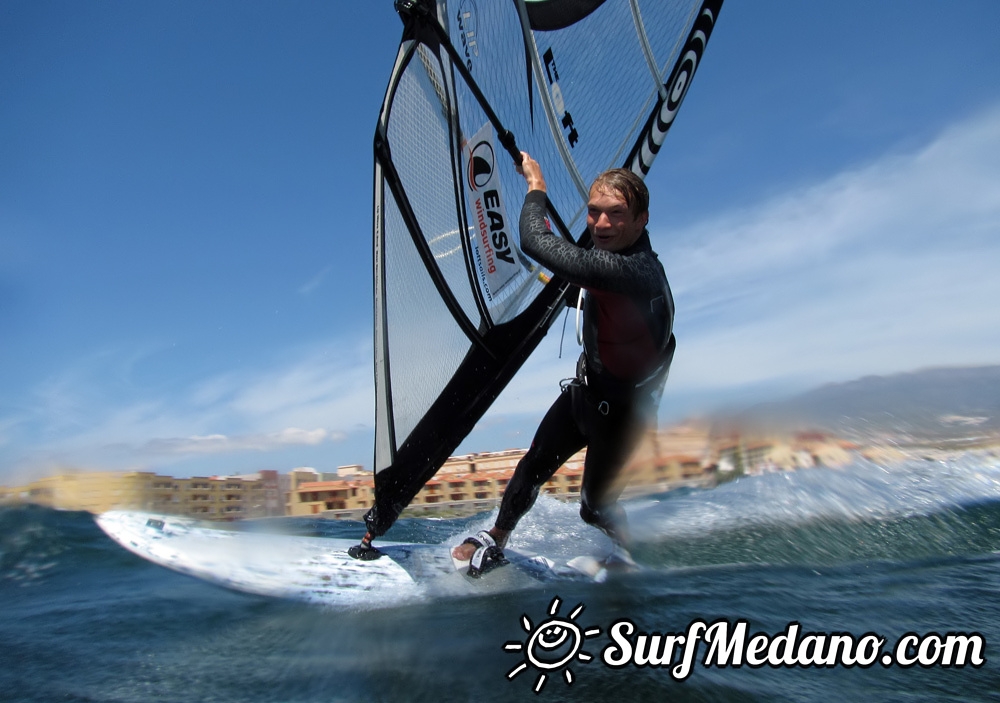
[678, 456]
[213, 498]
[761, 455]
[476, 482]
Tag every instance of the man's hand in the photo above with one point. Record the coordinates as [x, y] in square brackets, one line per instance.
[532, 172]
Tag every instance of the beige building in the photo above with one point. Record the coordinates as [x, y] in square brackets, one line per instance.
[466, 483]
[213, 498]
[755, 455]
[683, 455]
[670, 458]
[476, 482]
[352, 491]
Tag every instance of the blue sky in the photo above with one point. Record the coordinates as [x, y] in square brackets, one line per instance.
[185, 254]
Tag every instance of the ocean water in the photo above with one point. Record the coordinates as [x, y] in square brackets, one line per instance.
[867, 549]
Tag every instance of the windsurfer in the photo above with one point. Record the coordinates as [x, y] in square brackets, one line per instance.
[628, 347]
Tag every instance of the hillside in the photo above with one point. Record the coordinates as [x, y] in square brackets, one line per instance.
[931, 404]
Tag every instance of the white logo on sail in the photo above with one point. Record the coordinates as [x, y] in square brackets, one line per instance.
[496, 262]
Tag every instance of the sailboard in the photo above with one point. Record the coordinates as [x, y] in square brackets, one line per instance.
[581, 85]
[318, 569]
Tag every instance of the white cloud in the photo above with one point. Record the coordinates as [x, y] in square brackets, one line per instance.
[332, 385]
[75, 418]
[886, 268]
[222, 444]
[314, 282]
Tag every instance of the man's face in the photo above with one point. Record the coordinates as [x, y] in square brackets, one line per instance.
[611, 223]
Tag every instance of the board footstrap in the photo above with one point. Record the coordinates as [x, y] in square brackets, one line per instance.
[488, 555]
[364, 551]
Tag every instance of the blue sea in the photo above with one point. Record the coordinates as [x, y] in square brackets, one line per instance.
[864, 550]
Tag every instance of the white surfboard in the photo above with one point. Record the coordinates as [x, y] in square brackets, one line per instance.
[314, 569]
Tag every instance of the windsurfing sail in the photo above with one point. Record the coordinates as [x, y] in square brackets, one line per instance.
[581, 85]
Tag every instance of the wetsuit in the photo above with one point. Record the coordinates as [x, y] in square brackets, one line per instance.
[628, 346]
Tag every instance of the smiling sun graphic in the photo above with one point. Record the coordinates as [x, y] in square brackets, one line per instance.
[551, 645]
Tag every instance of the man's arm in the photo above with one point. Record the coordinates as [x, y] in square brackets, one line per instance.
[589, 268]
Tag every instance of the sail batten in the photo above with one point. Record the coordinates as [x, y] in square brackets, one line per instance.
[647, 50]
[458, 306]
[552, 119]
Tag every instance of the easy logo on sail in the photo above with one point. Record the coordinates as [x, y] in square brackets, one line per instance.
[495, 261]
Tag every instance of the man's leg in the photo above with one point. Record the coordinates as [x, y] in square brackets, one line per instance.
[557, 439]
[611, 441]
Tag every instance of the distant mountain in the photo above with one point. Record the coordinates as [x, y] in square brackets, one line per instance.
[933, 404]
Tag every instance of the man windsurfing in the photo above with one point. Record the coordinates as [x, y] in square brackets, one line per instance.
[628, 347]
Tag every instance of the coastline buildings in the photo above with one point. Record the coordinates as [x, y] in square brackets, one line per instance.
[683, 455]
[757, 455]
[212, 498]
[467, 483]
[670, 458]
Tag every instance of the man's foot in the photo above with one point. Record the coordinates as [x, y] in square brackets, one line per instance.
[365, 551]
[465, 551]
[486, 555]
[620, 560]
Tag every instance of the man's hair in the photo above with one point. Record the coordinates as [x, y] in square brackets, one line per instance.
[628, 186]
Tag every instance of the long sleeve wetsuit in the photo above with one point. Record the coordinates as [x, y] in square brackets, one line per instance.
[628, 347]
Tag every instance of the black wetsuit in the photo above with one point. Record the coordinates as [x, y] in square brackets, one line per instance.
[628, 347]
